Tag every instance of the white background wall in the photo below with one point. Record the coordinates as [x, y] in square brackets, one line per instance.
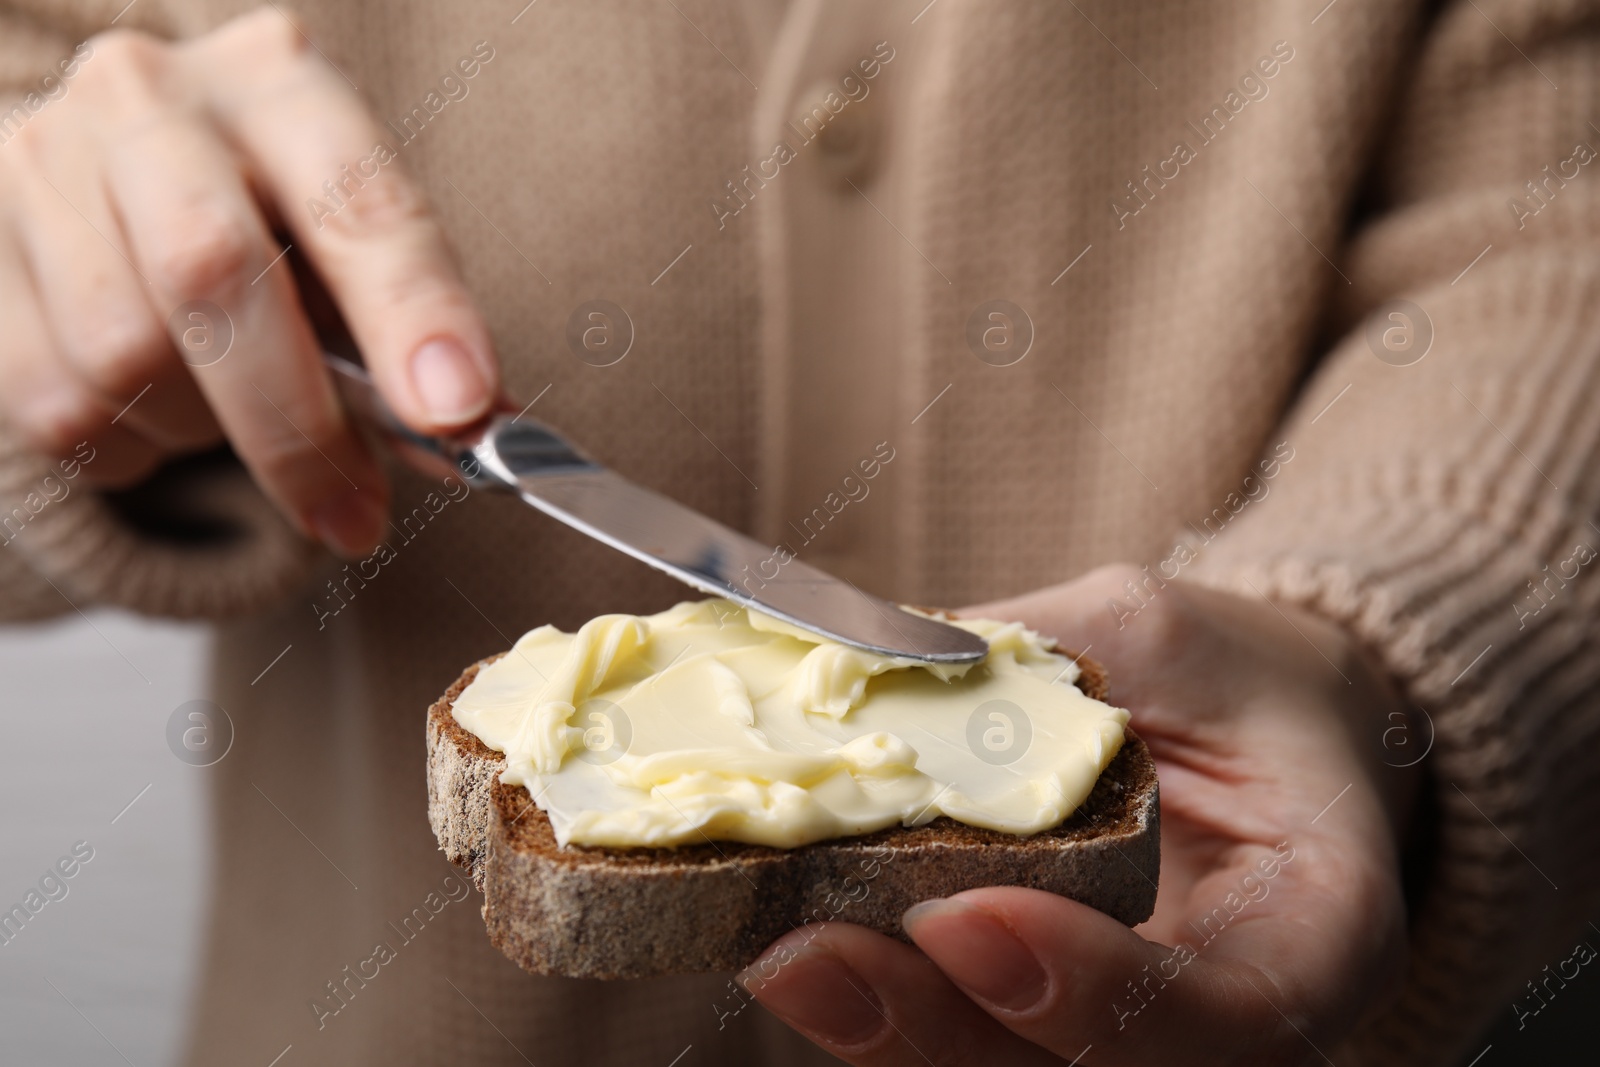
[81, 735]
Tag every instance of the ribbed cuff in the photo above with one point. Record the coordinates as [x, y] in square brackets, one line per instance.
[197, 540]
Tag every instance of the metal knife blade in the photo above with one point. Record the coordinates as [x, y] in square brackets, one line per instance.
[524, 456]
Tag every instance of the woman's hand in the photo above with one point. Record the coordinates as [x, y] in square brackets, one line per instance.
[138, 209]
[1279, 924]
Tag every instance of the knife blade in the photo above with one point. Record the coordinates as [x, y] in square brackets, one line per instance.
[512, 453]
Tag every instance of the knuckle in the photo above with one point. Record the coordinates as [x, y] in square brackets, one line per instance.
[383, 202]
[434, 290]
[293, 455]
[206, 255]
[31, 139]
[57, 421]
[125, 62]
[120, 354]
[1115, 575]
[27, 142]
[271, 32]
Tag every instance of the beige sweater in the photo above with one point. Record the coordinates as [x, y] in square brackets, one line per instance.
[1199, 207]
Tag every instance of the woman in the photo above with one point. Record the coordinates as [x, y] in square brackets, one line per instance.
[1288, 311]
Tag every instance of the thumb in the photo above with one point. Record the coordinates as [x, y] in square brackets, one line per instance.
[1068, 978]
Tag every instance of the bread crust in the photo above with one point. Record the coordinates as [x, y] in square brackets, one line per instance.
[635, 913]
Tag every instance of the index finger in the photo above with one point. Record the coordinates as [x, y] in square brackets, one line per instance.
[335, 178]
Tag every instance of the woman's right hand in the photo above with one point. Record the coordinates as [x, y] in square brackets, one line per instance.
[138, 210]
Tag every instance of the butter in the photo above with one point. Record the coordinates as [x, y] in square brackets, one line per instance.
[711, 722]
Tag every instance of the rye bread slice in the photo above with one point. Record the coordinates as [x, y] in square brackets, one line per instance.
[634, 913]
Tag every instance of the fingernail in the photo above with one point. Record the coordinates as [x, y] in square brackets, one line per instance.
[449, 382]
[978, 951]
[349, 524]
[818, 993]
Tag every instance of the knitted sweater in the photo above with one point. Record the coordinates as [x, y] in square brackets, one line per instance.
[1198, 219]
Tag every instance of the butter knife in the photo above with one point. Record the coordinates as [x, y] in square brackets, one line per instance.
[513, 453]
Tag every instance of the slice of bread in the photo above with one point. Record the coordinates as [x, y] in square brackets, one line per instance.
[633, 913]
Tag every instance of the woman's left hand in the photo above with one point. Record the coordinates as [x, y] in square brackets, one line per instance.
[1279, 924]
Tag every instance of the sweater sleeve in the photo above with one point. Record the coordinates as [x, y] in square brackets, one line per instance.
[1442, 501]
[196, 540]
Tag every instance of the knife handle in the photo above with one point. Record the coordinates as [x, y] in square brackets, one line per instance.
[440, 456]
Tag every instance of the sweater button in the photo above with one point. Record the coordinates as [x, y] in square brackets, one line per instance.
[840, 128]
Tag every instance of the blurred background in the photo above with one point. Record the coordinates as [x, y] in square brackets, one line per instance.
[104, 975]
